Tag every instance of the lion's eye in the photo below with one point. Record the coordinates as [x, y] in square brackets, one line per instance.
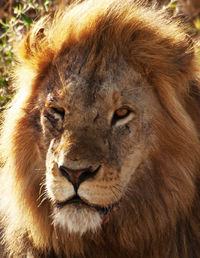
[120, 114]
[54, 114]
[59, 111]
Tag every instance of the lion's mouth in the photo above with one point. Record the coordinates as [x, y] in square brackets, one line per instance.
[77, 200]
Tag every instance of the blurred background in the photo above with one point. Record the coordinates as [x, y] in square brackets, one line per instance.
[17, 16]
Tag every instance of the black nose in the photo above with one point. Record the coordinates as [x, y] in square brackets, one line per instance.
[77, 176]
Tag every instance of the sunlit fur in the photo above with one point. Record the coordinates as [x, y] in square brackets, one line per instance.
[160, 214]
[78, 221]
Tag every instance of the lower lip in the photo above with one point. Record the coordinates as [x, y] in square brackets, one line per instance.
[72, 201]
[80, 203]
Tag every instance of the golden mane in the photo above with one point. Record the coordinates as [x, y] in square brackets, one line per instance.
[164, 216]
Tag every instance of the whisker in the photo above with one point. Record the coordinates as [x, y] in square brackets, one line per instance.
[42, 201]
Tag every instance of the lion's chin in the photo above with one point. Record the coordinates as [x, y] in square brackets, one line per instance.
[78, 219]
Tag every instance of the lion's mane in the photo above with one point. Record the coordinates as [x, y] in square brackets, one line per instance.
[161, 216]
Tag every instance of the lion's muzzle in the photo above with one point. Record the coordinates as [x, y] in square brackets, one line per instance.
[77, 176]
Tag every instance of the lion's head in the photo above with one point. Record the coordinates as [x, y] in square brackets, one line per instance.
[101, 141]
[97, 130]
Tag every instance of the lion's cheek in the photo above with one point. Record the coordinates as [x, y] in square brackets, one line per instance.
[58, 190]
[131, 163]
[101, 195]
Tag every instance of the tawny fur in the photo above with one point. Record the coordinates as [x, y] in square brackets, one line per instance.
[94, 48]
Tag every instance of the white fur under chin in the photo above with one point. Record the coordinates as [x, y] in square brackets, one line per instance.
[78, 220]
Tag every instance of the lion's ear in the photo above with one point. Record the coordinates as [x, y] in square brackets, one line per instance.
[35, 47]
[186, 58]
[40, 33]
[30, 44]
[187, 51]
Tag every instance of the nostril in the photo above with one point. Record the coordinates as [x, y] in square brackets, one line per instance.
[63, 171]
[88, 174]
[77, 176]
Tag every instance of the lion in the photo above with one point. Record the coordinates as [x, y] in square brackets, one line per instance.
[100, 146]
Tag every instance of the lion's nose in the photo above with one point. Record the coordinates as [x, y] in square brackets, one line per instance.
[77, 176]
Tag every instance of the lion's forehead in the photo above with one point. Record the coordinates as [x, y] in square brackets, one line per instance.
[81, 84]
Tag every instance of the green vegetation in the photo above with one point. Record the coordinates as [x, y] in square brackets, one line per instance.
[12, 29]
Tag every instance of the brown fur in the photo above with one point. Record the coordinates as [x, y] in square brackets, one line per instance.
[159, 213]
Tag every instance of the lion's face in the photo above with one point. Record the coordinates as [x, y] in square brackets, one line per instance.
[97, 127]
[100, 146]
